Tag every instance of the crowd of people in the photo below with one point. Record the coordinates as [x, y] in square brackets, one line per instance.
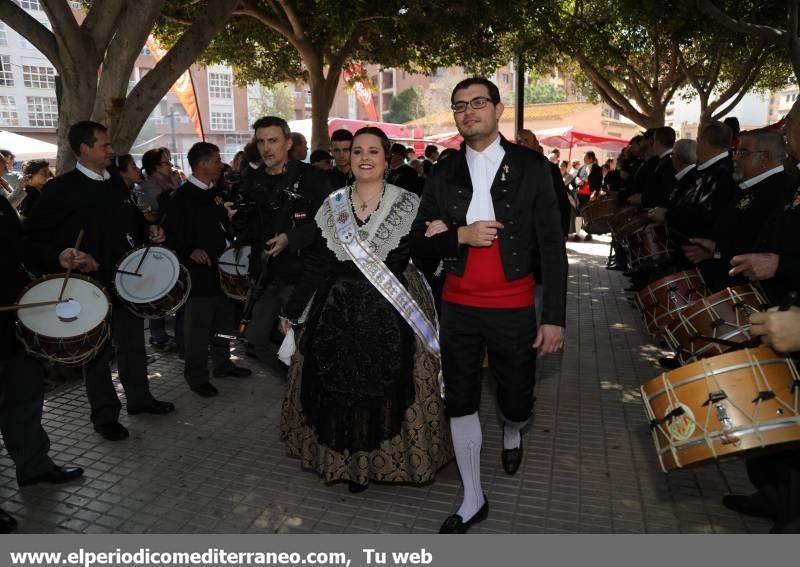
[386, 278]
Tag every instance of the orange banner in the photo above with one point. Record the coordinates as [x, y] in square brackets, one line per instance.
[183, 89]
[361, 90]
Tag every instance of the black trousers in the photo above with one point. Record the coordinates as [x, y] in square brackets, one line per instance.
[21, 399]
[777, 477]
[204, 317]
[508, 335]
[265, 319]
[127, 344]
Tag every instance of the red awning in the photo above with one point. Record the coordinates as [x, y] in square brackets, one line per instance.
[562, 138]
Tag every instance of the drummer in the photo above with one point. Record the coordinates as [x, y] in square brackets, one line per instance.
[21, 378]
[764, 188]
[199, 230]
[88, 198]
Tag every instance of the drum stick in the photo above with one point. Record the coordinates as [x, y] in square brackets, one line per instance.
[682, 236]
[146, 250]
[69, 270]
[125, 273]
[231, 264]
[29, 305]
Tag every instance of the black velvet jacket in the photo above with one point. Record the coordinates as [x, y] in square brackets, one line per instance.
[524, 201]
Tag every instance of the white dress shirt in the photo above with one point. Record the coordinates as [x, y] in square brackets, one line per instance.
[682, 173]
[91, 174]
[712, 161]
[194, 181]
[759, 178]
[483, 168]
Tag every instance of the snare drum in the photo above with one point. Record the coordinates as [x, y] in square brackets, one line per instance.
[724, 316]
[234, 272]
[661, 301]
[722, 407]
[649, 247]
[161, 287]
[70, 336]
[627, 220]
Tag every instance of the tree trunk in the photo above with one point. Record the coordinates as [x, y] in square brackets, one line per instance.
[76, 105]
[323, 91]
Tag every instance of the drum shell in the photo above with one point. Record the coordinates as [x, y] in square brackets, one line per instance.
[627, 220]
[649, 247]
[170, 302]
[661, 301]
[738, 425]
[597, 215]
[235, 286]
[702, 318]
[75, 350]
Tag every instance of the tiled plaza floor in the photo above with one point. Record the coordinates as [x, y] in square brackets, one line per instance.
[219, 466]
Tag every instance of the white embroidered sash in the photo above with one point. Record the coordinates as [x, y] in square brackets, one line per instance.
[381, 277]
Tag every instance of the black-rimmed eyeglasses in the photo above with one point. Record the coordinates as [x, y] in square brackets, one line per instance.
[476, 104]
[741, 153]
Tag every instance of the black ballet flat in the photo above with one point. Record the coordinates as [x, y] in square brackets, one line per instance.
[455, 524]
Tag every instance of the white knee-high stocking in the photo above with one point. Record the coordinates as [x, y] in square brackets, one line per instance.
[467, 439]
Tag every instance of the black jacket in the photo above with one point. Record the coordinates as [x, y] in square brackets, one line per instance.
[523, 199]
[197, 219]
[112, 223]
[406, 178]
[738, 226]
[656, 193]
[779, 236]
[14, 276]
[286, 204]
[338, 179]
[697, 210]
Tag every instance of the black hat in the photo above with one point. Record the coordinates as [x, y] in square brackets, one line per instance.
[319, 155]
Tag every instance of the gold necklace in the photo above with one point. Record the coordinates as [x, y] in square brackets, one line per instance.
[364, 204]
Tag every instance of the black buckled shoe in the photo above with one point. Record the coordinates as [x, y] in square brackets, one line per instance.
[156, 407]
[112, 430]
[754, 505]
[56, 475]
[455, 524]
[512, 458]
[7, 522]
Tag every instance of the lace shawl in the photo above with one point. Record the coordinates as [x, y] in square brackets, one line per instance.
[384, 229]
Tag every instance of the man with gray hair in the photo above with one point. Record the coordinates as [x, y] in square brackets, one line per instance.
[764, 188]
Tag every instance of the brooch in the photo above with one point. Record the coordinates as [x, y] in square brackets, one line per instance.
[505, 171]
[744, 202]
[341, 218]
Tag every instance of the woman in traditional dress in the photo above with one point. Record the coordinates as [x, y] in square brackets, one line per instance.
[363, 398]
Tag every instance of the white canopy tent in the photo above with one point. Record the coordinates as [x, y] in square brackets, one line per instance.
[25, 148]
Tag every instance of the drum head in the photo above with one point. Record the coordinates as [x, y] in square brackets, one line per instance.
[235, 261]
[45, 320]
[159, 273]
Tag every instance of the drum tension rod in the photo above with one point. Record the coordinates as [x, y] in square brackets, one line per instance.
[715, 397]
[795, 385]
[764, 395]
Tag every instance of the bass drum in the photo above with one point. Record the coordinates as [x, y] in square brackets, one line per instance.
[727, 406]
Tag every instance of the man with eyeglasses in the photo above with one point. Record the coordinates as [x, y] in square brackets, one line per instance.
[487, 211]
[764, 188]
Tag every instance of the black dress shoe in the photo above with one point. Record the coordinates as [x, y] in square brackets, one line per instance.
[56, 475]
[754, 505]
[7, 522]
[112, 430]
[512, 458]
[455, 524]
[205, 390]
[355, 488]
[233, 372]
[669, 363]
[156, 407]
[616, 268]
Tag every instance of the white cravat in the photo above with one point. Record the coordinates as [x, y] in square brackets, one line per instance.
[682, 173]
[483, 168]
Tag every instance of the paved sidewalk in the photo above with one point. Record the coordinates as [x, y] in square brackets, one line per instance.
[219, 466]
